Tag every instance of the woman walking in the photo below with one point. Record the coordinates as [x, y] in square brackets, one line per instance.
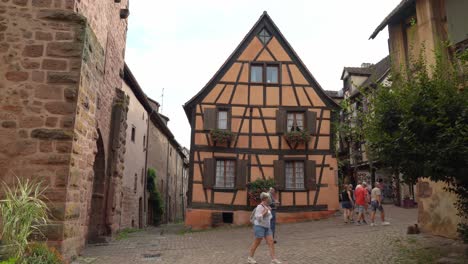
[273, 204]
[347, 203]
[262, 229]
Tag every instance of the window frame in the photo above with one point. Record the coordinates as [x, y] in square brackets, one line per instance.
[133, 133]
[225, 159]
[294, 161]
[296, 111]
[229, 116]
[265, 66]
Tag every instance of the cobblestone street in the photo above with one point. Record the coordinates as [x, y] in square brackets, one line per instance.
[325, 241]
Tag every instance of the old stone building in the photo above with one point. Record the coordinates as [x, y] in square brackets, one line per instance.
[170, 162]
[62, 111]
[426, 26]
[134, 181]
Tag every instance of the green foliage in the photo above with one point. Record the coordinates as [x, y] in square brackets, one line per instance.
[23, 212]
[297, 137]
[41, 254]
[258, 186]
[156, 199]
[221, 136]
[419, 126]
[9, 261]
[123, 234]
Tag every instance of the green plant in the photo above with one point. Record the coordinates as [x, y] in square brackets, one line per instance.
[221, 136]
[258, 186]
[155, 196]
[9, 261]
[123, 234]
[41, 254]
[23, 212]
[297, 137]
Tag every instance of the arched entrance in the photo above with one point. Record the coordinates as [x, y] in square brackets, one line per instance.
[97, 225]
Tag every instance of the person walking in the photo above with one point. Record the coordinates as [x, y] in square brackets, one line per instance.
[262, 230]
[353, 203]
[360, 194]
[376, 203]
[346, 203]
[273, 204]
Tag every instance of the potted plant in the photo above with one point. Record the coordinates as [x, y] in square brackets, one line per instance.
[255, 188]
[296, 137]
[220, 136]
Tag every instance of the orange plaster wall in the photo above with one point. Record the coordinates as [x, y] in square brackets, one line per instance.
[286, 198]
[325, 128]
[224, 99]
[245, 127]
[277, 50]
[243, 141]
[326, 113]
[271, 126]
[232, 73]
[288, 96]
[285, 75]
[269, 173]
[265, 56]
[198, 195]
[237, 110]
[198, 122]
[297, 75]
[240, 198]
[198, 219]
[245, 73]
[235, 124]
[269, 111]
[230, 155]
[272, 96]
[200, 139]
[205, 155]
[267, 159]
[252, 50]
[259, 142]
[196, 172]
[301, 198]
[223, 197]
[257, 126]
[302, 216]
[302, 96]
[274, 141]
[256, 95]
[314, 97]
[241, 218]
[255, 173]
[324, 142]
[240, 96]
[211, 96]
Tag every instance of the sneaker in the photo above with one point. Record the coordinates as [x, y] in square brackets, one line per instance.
[358, 223]
[364, 222]
[372, 224]
[385, 223]
[251, 260]
[276, 261]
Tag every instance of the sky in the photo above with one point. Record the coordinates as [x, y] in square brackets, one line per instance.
[179, 45]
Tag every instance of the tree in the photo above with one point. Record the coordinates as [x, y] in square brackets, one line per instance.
[419, 126]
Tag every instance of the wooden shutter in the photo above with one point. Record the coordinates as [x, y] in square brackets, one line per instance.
[241, 174]
[279, 171]
[311, 122]
[209, 173]
[310, 175]
[280, 121]
[209, 117]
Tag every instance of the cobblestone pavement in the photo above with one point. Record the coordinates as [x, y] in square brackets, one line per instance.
[324, 241]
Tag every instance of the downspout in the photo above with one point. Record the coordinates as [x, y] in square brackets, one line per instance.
[167, 180]
[145, 181]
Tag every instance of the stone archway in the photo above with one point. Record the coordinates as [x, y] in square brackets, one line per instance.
[97, 224]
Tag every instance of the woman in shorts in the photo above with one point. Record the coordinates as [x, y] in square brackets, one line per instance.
[262, 229]
[346, 203]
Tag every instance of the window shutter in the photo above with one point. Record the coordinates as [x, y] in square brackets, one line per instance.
[280, 121]
[209, 116]
[241, 174]
[310, 175]
[279, 174]
[209, 173]
[311, 122]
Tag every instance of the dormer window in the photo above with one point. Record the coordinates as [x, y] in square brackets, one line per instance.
[264, 36]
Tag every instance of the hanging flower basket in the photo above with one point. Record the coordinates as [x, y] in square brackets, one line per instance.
[297, 137]
[255, 188]
[222, 136]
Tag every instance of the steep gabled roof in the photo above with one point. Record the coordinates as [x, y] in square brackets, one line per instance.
[402, 10]
[263, 21]
[379, 72]
[363, 71]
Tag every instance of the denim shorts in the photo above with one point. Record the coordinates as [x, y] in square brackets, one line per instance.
[375, 205]
[261, 232]
[360, 208]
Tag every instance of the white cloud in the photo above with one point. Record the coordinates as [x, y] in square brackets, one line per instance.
[179, 45]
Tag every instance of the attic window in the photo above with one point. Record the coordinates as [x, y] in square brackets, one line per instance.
[264, 36]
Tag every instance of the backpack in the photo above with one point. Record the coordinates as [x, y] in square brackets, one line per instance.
[252, 216]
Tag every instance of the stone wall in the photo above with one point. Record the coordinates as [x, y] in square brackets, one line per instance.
[60, 77]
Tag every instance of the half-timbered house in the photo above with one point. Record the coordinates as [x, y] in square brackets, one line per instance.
[263, 115]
